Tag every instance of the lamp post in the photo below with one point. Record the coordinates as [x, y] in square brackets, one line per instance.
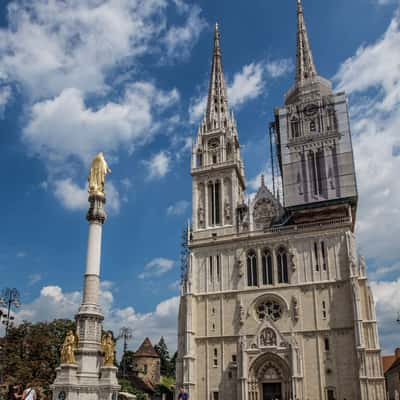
[10, 298]
[125, 334]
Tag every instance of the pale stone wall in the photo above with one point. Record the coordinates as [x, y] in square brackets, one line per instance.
[148, 367]
[326, 310]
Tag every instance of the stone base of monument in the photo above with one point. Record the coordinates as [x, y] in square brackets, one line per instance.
[68, 385]
[108, 383]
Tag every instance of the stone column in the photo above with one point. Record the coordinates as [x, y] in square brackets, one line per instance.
[88, 379]
[90, 317]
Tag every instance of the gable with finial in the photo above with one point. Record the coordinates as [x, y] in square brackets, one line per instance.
[266, 209]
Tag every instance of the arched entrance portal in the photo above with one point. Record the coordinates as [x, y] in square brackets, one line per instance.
[269, 378]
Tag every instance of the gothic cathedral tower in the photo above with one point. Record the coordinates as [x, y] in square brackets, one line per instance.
[217, 168]
[275, 302]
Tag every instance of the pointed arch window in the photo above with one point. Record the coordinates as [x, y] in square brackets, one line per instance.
[267, 269]
[214, 206]
[295, 127]
[199, 159]
[252, 274]
[282, 263]
[313, 126]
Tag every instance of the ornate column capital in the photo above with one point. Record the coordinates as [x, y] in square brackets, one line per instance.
[96, 212]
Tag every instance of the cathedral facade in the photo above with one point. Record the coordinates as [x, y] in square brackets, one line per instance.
[275, 301]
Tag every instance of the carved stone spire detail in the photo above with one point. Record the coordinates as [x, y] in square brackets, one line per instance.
[217, 113]
[305, 67]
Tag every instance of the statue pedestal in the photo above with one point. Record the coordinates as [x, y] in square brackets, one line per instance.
[65, 384]
[108, 383]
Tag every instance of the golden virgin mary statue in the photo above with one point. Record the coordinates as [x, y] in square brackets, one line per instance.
[68, 348]
[97, 175]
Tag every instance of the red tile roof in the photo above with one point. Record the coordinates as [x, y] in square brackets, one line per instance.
[146, 349]
[388, 362]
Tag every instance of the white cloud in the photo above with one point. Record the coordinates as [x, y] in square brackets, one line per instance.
[197, 108]
[387, 309]
[64, 126]
[157, 267]
[34, 278]
[158, 166]
[55, 45]
[62, 58]
[54, 303]
[372, 77]
[179, 208]
[247, 84]
[179, 40]
[5, 95]
[278, 68]
[73, 197]
[21, 254]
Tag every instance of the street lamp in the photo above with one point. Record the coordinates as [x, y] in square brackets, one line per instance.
[9, 298]
[125, 334]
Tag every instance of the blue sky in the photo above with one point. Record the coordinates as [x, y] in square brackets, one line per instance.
[129, 78]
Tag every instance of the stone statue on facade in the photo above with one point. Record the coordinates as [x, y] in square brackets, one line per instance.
[98, 171]
[108, 348]
[227, 210]
[201, 215]
[68, 349]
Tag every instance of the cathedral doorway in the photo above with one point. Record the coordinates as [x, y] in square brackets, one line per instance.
[272, 391]
[269, 378]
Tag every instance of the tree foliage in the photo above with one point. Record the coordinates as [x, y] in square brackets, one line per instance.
[167, 365]
[127, 364]
[30, 353]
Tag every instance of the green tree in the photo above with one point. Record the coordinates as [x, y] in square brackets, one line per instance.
[172, 370]
[127, 364]
[31, 352]
[165, 362]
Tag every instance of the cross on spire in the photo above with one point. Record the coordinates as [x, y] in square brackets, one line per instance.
[305, 67]
[217, 113]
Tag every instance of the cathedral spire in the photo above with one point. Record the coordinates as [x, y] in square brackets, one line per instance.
[305, 67]
[217, 113]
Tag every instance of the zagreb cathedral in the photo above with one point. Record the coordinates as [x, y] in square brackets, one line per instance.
[275, 301]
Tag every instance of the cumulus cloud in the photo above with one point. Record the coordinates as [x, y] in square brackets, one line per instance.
[179, 208]
[65, 126]
[278, 68]
[156, 268]
[73, 197]
[159, 165]
[5, 95]
[179, 40]
[387, 309]
[53, 303]
[372, 77]
[247, 84]
[50, 46]
[34, 279]
[61, 57]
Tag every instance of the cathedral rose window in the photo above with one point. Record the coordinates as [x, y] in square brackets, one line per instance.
[269, 309]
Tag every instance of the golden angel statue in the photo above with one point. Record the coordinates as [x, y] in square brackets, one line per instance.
[97, 175]
[108, 348]
[68, 349]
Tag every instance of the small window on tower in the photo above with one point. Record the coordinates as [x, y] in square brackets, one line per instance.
[234, 358]
[323, 310]
[214, 158]
[323, 252]
[326, 344]
[211, 269]
[313, 126]
[316, 256]
[218, 267]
